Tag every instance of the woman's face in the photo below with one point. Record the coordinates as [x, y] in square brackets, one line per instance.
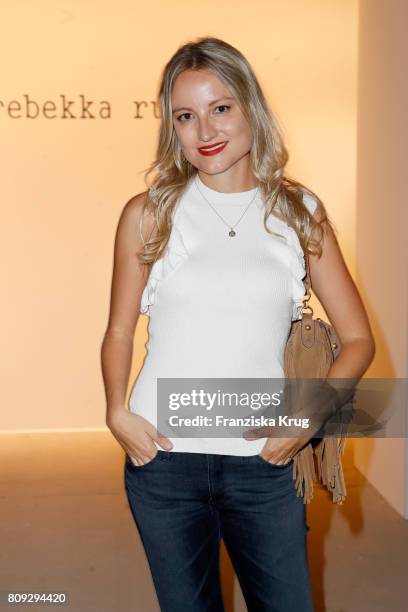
[204, 114]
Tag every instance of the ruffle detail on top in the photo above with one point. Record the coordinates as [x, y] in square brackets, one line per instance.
[298, 273]
[297, 255]
[297, 266]
[174, 255]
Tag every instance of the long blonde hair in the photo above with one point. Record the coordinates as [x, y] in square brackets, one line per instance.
[282, 195]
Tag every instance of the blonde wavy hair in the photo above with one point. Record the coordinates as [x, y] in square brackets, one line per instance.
[282, 195]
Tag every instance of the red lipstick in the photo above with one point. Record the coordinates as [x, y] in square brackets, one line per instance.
[208, 150]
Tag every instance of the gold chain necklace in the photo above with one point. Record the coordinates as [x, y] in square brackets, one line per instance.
[231, 232]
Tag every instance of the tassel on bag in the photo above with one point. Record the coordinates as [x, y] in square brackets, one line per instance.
[311, 348]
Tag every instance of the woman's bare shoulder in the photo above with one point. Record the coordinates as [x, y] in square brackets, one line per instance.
[138, 205]
[137, 213]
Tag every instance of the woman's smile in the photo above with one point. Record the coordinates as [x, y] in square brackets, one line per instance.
[213, 149]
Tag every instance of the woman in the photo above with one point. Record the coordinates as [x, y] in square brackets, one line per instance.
[213, 253]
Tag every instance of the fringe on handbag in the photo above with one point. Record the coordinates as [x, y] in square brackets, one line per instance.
[311, 348]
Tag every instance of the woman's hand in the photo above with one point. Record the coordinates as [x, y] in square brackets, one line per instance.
[309, 404]
[136, 435]
[280, 451]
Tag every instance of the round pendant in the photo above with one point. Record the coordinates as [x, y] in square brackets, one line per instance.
[232, 233]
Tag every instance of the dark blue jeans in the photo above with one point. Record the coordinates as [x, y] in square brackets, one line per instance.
[184, 503]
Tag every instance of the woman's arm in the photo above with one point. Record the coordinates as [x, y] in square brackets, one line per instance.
[128, 282]
[336, 291]
[133, 432]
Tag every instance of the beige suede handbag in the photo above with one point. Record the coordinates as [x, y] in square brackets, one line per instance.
[311, 348]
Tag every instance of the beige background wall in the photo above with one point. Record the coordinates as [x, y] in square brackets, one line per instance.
[382, 220]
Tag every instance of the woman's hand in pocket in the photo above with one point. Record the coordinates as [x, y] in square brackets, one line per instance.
[281, 451]
[136, 435]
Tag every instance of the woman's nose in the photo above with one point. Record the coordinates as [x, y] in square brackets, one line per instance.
[206, 131]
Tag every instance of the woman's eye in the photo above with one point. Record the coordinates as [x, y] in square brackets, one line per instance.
[180, 117]
[223, 106]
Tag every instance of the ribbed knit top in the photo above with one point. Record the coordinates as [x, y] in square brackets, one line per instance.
[220, 307]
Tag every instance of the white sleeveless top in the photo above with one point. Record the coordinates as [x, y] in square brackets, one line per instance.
[220, 306]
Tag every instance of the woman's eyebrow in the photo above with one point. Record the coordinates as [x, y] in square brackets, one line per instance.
[176, 110]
